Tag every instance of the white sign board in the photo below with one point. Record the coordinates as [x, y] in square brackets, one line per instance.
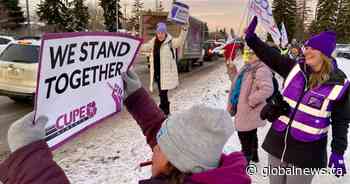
[79, 80]
[262, 9]
[284, 35]
[179, 13]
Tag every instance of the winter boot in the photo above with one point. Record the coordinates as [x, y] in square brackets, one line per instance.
[255, 157]
[165, 108]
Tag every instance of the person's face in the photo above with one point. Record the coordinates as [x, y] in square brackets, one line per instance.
[295, 51]
[251, 57]
[160, 164]
[161, 36]
[313, 58]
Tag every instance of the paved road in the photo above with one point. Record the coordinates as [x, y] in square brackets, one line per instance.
[10, 111]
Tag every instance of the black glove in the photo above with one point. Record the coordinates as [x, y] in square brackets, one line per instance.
[275, 108]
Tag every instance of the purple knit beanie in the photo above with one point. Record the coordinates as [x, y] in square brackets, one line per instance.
[325, 42]
[161, 27]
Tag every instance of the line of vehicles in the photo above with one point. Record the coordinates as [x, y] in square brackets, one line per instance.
[19, 56]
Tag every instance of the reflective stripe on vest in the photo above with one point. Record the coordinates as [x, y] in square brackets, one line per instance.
[296, 69]
[323, 113]
[303, 127]
[334, 93]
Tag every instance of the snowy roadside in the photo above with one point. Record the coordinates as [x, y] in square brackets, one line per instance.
[111, 152]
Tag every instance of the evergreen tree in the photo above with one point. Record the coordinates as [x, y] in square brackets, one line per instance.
[55, 13]
[342, 23]
[80, 15]
[12, 15]
[326, 16]
[110, 8]
[303, 19]
[136, 10]
[285, 11]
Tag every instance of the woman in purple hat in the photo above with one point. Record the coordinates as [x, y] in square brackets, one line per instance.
[163, 67]
[315, 99]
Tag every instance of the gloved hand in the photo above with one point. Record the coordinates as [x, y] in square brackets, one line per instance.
[131, 83]
[24, 132]
[336, 161]
[250, 31]
[275, 108]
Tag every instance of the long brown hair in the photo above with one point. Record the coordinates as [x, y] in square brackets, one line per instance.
[318, 78]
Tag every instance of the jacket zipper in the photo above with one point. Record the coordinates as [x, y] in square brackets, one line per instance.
[292, 117]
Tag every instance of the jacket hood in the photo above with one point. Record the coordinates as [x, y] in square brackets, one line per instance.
[231, 170]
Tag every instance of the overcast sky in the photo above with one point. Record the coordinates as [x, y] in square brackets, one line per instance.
[218, 13]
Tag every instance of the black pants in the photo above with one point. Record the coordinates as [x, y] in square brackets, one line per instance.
[164, 100]
[249, 142]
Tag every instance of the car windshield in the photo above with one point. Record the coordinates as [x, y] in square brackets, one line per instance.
[20, 53]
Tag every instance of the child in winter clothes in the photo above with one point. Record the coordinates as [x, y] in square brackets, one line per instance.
[316, 98]
[187, 147]
[249, 91]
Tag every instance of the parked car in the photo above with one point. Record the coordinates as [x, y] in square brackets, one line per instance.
[18, 69]
[208, 48]
[343, 50]
[4, 41]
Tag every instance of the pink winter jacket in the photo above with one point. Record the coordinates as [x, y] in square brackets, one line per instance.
[252, 97]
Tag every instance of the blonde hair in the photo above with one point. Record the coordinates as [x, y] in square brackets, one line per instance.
[318, 78]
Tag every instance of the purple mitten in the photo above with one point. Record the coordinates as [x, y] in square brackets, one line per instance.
[250, 31]
[336, 161]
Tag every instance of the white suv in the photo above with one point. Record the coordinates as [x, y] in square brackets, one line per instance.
[18, 69]
[4, 41]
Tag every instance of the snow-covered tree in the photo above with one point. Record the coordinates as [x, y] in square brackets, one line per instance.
[54, 13]
[285, 11]
[342, 22]
[11, 14]
[304, 13]
[80, 13]
[137, 8]
[326, 16]
[110, 8]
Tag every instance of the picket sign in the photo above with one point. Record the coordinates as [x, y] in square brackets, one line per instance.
[284, 35]
[179, 13]
[79, 80]
[262, 9]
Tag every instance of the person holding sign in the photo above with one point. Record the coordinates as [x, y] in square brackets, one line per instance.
[31, 160]
[187, 146]
[163, 67]
[315, 96]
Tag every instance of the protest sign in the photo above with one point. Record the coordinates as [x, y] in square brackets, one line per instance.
[284, 36]
[79, 80]
[262, 9]
[179, 13]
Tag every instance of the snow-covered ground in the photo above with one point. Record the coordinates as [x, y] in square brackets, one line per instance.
[111, 152]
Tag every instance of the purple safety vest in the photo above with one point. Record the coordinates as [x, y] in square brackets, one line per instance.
[312, 117]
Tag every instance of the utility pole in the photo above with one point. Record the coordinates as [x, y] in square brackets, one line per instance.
[157, 5]
[117, 15]
[125, 17]
[28, 17]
